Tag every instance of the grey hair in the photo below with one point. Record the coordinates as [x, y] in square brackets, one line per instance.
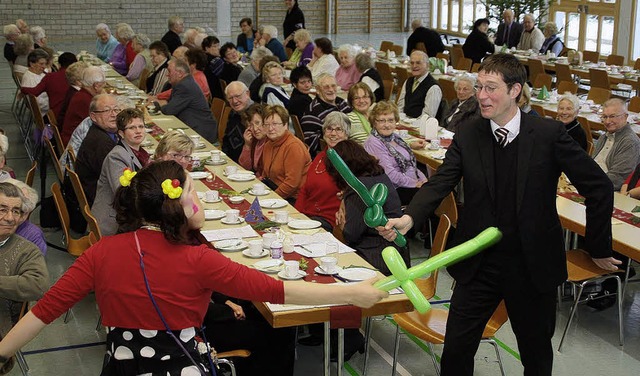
[322, 76]
[103, 26]
[29, 195]
[552, 27]
[422, 54]
[271, 30]
[142, 40]
[464, 77]
[533, 18]
[260, 52]
[173, 20]
[575, 102]
[302, 35]
[349, 49]
[233, 84]
[10, 29]
[337, 118]
[363, 61]
[38, 33]
[75, 71]
[416, 23]
[190, 35]
[124, 31]
[4, 144]
[181, 65]
[12, 191]
[92, 75]
[615, 102]
[23, 44]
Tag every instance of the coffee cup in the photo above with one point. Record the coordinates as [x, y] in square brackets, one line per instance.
[435, 144]
[267, 239]
[230, 170]
[258, 188]
[282, 216]
[195, 138]
[291, 268]
[215, 156]
[211, 195]
[232, 215]
[329, 264]
[255, 247]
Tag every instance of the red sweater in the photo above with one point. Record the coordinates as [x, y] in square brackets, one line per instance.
[181, 277]
[130, 53]
[55, 85]
[77, 111]
[317, 197]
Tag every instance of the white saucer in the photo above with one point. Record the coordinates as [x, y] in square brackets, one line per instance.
[210, 214]
[304, 224]
[240, 220]
[283, 275]
[231, 245]
[266, 192]
[269, 266]
[199, 146]
[241, 176]
[357, 274]
[322, 272]
[204, 199]
[218, 163]
[265, 252]
[273, 203]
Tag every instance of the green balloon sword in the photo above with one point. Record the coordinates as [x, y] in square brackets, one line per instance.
[401, 276]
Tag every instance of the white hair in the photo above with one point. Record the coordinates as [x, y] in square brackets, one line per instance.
[260, 52]
[464, 77]
[29, 195]
[92, 75]
[37, 32]
[349, 49]
[575, 102]
[103, 26]
[11, 29]
[271, 30]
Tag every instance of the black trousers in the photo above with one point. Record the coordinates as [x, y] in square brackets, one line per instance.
[532, 315]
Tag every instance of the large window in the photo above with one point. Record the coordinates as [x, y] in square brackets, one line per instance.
[456, 16]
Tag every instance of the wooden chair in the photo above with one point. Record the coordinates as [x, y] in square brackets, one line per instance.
[615, 60]
[385, 45]
[599, 95]
[78, 190]
[398, 49]
[550, 113]
[75, 246]
[636, 66]
[56, 163]
[535, 68]
[385, 70]
[388, 89]
[586, 126]
[288, 51]
[538, 108]
[565, 51]
[463, 64]
[475, 67]
[297, 128]
[543, 79]
[401, 77]
[456, 53]
[222, 124]
[420, 47]
[599, 78]
[72, 155]
[28, 180]
[566, 86]
[563, 73]
[92, 222]
[583, 271]
[57, 138]
[590, 147]
[634, 104]
[142, 81]
[592, 56]
[217, 107]
[223, 85]
[448, 89]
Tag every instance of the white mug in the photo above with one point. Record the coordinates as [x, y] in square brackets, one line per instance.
[215, 155]
[291, 268]
[329, 264]
[230, 170]
[258, 188]
[195, 138]
[211, 195]
[232, 215]
[267, 239]
[282, 216]
[255, 247]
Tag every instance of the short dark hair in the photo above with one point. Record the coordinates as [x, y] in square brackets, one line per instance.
[508, 66]
[125, 117]
[144, 201]
[198, 57]
[209, 41]
[247, 20]
[299, 73]
[226, 47]
[66, 59]
[160, 48]
[36, 55]
[359, 161]
[254, 109]
[325, 45]
[480, 21]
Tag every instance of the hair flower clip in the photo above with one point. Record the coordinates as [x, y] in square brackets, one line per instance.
[172, 188]
[127, 175]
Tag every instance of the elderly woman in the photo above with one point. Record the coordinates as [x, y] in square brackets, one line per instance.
[142, 61]
[11, 33]
[26, 228]
[477, 45]
[568, 107]
[126, 154]
[318, 197]
[552, 42]
[39, 36]
[255, 137]
[106, 43]
[175, 146]
[303, 53]
[190, 38]
[360, 99]
[123, 54]
[22, 47]
[285, 159]
[272, 91]
[159, 76]
[348, 73]
[525, 101]
[394, 154]
[323, 60]
[465, 107]
[369, 75]
[231, 69]
[32, 77]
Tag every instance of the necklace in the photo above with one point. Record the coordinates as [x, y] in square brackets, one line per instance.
[151, 227]
[318, 165]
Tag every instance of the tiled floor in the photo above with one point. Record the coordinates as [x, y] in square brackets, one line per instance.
[76, 348]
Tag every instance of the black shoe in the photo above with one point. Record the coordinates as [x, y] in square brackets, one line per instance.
[310, 341]
[602, 301]
[347, 354]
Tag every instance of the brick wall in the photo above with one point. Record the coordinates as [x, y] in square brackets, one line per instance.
[419, 9]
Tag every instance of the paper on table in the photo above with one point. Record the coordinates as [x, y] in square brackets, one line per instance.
[231, 233]
[322, 238]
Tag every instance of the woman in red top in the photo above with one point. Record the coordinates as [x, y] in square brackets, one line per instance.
[181, 277]
[318, 197]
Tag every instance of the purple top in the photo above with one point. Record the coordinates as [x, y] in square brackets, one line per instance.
[33, 234]
[119, 59]
[307, 55]
[407, 179]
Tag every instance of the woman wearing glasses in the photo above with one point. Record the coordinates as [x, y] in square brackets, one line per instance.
[126, 154]
[175, 146]
[395, 155]
[255, 137]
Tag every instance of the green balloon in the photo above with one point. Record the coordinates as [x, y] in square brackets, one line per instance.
[403, 277]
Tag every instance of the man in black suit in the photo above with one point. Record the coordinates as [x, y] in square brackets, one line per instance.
[172, 37]
[509, 31]
[511, 162]
[429, 37]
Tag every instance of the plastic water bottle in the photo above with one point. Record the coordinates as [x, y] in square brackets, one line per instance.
[276, 249]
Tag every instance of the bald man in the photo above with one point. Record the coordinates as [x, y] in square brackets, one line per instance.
[509, 31]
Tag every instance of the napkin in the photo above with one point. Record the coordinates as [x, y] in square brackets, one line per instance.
[231, 233]
[428, 127]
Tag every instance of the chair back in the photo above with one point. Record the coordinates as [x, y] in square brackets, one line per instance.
[54, 159]
[566, 86]
[538, 108]
[563, 73]
[420, 47]
[448, 89]
[385, 70]
[636, 66]
[599, 78]
[388, 89]
[28, 180]
[535, 68]
[463, 64]
[142, 81]
[449, 208]
[223, 85]
[427, 285]
[222, 124]
[52, 118]
[92, 222]
[297, 128]
[77, 188]
[397, 49]
[592, 56]
[496, 321]
[35, 110]
[456, 54]
[615, 60]
[550, 113]
[475, 67]
[385, 45]
[72, 155]
[543, 79]
[565, 51]
[217, 106]
[634, 104]
[599, 95]
[57, 138]
[75, 246]
[401, 76]
[589, 147]
[586, 126]
[289, 52]
[442, 55]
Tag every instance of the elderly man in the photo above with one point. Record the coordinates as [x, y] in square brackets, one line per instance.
[54, 84]
[509, 31]
[238, 97]
[23, 272]
[172, 37]
[101, 138]
[270, 37]
[325, 102]
[188, 103]
[532, 37]
[420, 94]
[429, 37]
[617, 152]
[93, 81]
[250, 72]
[11, 32]
[25, 228]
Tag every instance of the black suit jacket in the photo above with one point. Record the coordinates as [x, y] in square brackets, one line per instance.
[544, 151]
[429, 37]
[514, 34]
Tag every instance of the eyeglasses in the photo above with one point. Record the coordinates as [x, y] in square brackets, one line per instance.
[110, 110]
[256, 124]
[360, 98]
[610, 117]
[237, 96]
[134, 127]
[176, 156]
[386, 121]
[489, 89]
[272, 125]
[338, 130]
[14, 211]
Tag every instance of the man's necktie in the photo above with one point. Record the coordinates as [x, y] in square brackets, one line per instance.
[506, 34]
[415, 85]
[501, 134]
